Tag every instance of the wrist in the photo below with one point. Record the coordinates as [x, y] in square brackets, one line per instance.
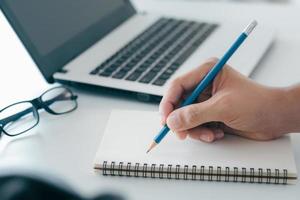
[287, 108]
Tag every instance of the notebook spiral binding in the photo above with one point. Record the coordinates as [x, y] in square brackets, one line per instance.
[202, 173]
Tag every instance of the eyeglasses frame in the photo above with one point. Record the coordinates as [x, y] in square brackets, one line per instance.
[37, 104]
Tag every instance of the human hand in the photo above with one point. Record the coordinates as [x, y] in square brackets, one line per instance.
[232, 104]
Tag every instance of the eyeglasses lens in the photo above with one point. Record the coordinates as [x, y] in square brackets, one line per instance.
[60, 100]
[18, 118]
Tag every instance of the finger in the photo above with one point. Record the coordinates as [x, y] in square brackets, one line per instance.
[171, 98]
[181, 84]
[219, 134]
[202, 133]
[205, 134]
[182, 135]
[194, 115]
[166, 110]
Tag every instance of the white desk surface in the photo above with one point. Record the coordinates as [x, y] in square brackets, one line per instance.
[66, 145]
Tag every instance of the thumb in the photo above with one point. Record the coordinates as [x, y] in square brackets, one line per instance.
[194, 115]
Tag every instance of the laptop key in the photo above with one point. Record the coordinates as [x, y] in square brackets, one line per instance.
[158, 67]
[95, 71]
[135, 60]
[134, 76]
[126, 69]
[114, 66]
[119, 62]
[156, 70]
[140, 70]
[174, 66]
[106, 73]
[159, 82]
[169, 71]
[185, 55]
[165, 76]
[149, 61]
[145, 66]
[148, 77]
[109, 70]
[119, 74]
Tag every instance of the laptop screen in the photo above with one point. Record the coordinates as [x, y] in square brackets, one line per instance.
[54, 32]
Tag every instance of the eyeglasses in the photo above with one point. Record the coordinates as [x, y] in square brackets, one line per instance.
[20, 117]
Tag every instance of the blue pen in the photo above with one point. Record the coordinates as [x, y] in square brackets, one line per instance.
[208, 78]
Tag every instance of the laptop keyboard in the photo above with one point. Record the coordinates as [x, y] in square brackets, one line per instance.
[154, 55]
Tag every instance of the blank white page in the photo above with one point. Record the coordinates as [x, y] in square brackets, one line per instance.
[129, 133]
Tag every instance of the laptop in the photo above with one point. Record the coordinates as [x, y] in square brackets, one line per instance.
[107, 43]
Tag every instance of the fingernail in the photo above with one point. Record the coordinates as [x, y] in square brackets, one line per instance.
[162, 117]
[206, 137]
[173, 121]
[219, 134]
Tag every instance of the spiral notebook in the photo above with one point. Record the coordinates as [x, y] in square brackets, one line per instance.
[122, 152]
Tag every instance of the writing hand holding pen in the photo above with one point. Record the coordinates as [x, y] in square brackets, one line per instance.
[232, 104]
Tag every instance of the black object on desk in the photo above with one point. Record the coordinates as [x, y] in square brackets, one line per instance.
[25, 187]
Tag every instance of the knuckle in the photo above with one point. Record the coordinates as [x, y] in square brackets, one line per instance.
[180, 123]
[190, 115]
[181, 119]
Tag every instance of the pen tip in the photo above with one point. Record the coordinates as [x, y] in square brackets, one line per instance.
[153, 144]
